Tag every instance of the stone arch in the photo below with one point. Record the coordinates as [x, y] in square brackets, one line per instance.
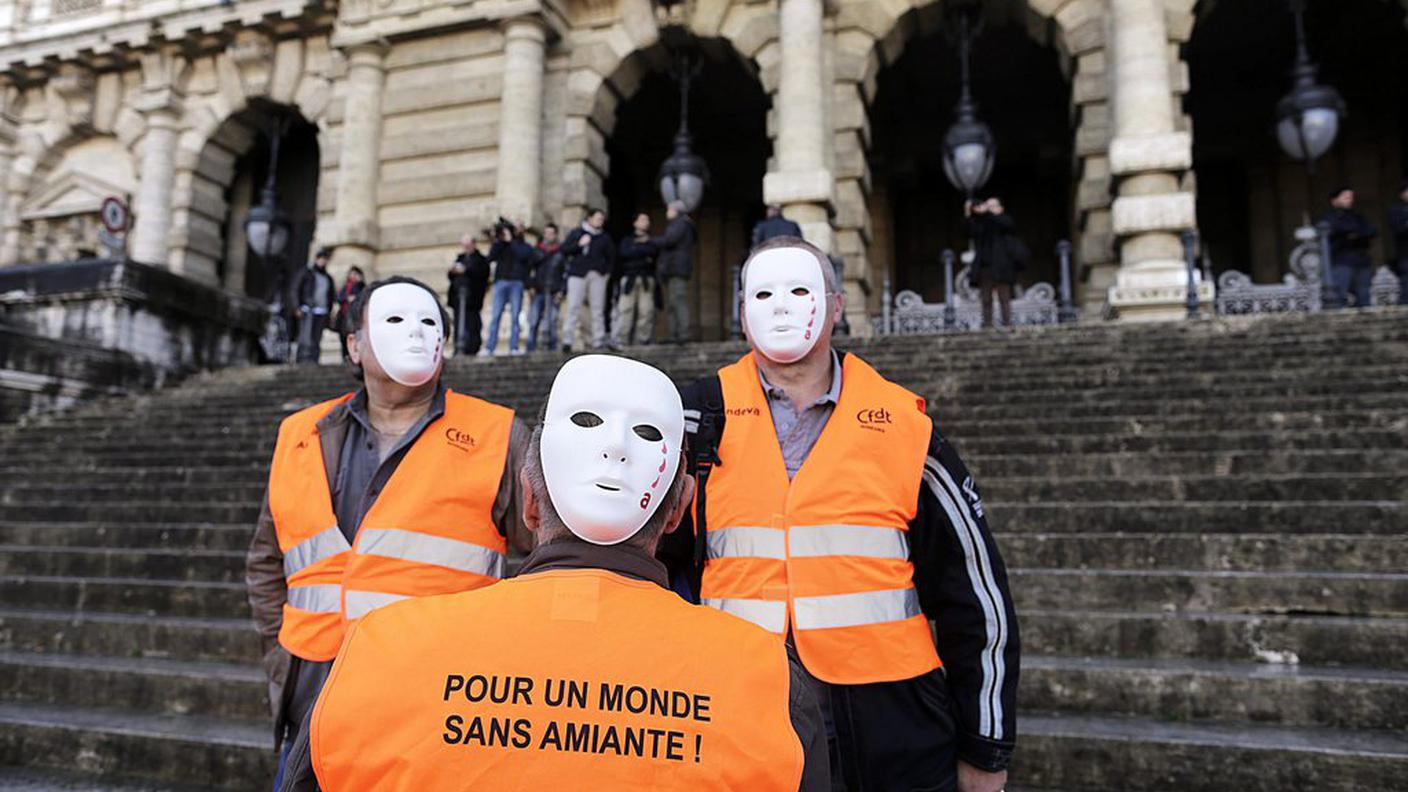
[869, 36]
[228, 91]
[60, 192]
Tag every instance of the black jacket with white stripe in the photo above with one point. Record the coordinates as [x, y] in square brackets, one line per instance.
[963, 589]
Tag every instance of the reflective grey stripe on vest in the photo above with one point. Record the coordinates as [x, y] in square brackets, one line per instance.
[747, 543]
[319, 547]
[855, 610]
[428, 549]
[325, 598]
[360, 603]
[812, 541]
[771, 615]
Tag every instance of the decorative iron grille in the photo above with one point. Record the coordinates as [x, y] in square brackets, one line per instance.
[910, 315]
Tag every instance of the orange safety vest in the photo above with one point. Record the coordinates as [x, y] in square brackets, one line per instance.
[826, 554]
[431, 530]
[568, 679]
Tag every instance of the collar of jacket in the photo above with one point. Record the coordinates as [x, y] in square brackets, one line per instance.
[573, 553]
[332, 429]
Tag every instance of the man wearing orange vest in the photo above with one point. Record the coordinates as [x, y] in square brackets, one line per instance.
[402, 489]
[832, 513]
[585, 671]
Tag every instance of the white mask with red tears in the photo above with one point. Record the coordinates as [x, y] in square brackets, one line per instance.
[784, 303]
[610, 447]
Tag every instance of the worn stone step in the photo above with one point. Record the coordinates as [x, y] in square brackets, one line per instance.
[225, 566]
[26, 779]
[129, 635]
[97, 533]
[1329, 593]
[1183, 442]
[174, 474]
[1312, 640]
[131, 511]
[1286, 403]
[126, 595]
[1194, 463]
[153, 685]
[1144, 755]
[223, 753]
[1248, 487]
[1191, 690]
[1387, 420]
[1233, 517]
[208, 494]
[1264, 552]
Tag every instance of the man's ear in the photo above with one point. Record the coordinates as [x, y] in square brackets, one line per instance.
[354, 354]
[839, 309]
[532, 517]
[686, 500]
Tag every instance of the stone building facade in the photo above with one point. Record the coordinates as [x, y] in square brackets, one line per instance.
[423, 119]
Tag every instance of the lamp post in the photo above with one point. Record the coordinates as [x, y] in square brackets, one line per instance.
[1307, 123]
[267, 231]
[968, 147]
[684, 174]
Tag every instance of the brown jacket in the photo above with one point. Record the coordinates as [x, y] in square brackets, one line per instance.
[264, 563]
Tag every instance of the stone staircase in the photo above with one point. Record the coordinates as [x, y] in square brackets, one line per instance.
[1205, 525]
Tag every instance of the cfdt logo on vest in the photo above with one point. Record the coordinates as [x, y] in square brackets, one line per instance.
[464, 441]
[874, 418]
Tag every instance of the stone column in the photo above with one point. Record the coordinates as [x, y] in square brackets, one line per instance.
[9, 224]
[359, 167]
[151, 207]
[801, 183]
[521, 120]
[1147, 155]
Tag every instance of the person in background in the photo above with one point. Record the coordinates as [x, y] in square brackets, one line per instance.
[774, 225]
[1398, 226]
[549, 281]
[342, 319]
[634, 319]
[676, 266]
[1351, 269]
[998, 256]
[469, 280]
[317, 294]
[513, 260]
[590, 256]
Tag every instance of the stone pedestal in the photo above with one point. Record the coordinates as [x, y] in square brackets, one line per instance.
[520, 120]
[357, 236]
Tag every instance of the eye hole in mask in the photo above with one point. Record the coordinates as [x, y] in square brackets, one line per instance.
[393, 320]
[762, 295]
[648, 432]
[428, 322]
[801, 291]
[587, 420]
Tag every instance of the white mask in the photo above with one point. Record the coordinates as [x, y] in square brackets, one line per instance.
[784, 303]
[611, 442]
[403, 325]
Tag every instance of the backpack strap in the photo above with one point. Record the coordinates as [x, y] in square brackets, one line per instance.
[703, 457]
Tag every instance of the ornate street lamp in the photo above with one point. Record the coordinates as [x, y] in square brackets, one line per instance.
[969, 149]
[1307, 122]
[684, 174]
[265, 227]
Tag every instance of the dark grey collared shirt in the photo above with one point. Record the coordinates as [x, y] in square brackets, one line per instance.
[797, 432]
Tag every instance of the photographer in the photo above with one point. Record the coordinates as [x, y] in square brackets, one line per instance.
[999, 256]
[512, 259]
[469, 280]
[635, 307]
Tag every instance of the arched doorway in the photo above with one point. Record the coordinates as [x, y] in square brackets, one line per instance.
[1251, 196]
[728, 119]
[1022, 94]
[228, 179]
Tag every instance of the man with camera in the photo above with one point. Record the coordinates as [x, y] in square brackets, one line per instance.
[512, 259]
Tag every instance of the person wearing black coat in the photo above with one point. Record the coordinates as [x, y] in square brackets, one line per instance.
[634, 318]
[548, 282]
[676, 266]
[469, 281]
[774, 225]
[317, 296]
[1398, 226]
[1351, 233]
[998, 256]
[590, 254]
[513, 263]
[342, 320]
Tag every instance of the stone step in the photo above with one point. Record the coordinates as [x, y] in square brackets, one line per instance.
[225, 566]
[1179, 443]
[153, 685]
[1394, 420]
[1145, 755]
[1286, 403]
[151, 535]
[1196, 463]
[129, 635]
[1228, 552]
[16, 779]
[1311, 640]
[213, 494]
[1329, 593]
[131, 511]
[1294, 487]
[1192, 690]
[223, 753]
[180, 472]
[184, 598]
[1233, 517]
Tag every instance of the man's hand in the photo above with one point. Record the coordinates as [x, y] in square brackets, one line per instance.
[971, 779]
[584, 240]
